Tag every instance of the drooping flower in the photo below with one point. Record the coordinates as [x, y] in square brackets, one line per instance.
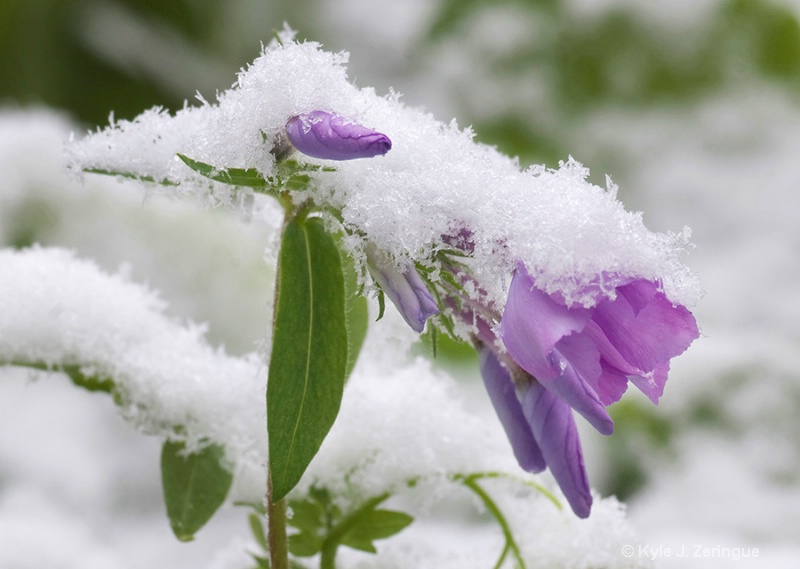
[559, 357]
[329, 136]
[404, 288]
[541, 429]
[587, 355]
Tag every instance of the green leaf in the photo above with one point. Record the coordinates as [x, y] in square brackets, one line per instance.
[297, 182]
[255, 506]
[76, 373]
[257, 529]
[88, 382]
[356, 312]
[288, 168]
[304, 544]
[249, 177]
[195, 486]
[372, 525]
[291, 175]
[129, 176]
[309, 351]
[381, 304]
[307, 515]
[312, 516]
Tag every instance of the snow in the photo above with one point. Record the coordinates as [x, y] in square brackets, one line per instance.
[435, 181]
[61, 310]
[733, 177]
[94, 484]
[73, 472]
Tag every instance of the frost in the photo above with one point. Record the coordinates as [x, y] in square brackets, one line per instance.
[434, 182]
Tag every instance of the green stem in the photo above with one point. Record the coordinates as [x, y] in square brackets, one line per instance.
[511, 544]
[335, 535]
[276, 512]
[276, 524]
[538, 487]
[502, 557]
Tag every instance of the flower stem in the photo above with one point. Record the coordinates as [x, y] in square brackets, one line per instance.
[511, 544]
[276, 524]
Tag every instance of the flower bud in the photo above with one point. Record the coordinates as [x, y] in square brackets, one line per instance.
[404, 288]
[331, 137]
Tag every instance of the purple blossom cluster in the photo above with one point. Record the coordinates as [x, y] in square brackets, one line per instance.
[543, 357]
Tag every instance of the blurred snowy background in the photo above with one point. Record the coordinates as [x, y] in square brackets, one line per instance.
[693, 108]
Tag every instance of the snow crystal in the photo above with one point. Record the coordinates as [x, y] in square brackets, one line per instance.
[435, 181]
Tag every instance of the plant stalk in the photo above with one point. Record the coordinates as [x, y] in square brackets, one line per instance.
[276, 530]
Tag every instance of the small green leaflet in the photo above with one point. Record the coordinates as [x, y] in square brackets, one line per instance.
[323, 527]
[234, 176]
[312, 517]
[130, 176]
[195, 486]
[258, 531]
[309, 351]
[291, 175]
[75, 372]
[372, 525]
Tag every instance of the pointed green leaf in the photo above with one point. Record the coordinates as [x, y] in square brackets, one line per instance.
[304, 544]
[129, 176]
[288, 168]
[257, 529]
[381, 305]
[297, 182]
[255, 506]
[312, 516]
[76, 373]
[307, 515]
[195, 486]
[356, 312]
[372, 525]
[291, 175]
[309, 351]
[235, 176]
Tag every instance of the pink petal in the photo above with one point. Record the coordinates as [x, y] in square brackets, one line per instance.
[644, 327]
[533, 323]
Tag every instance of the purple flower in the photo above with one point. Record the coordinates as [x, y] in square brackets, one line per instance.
[503, 395]
[463, 239]
[404, 288]
[324, 135]
[561, 357]
[586, 356]
[540, 427]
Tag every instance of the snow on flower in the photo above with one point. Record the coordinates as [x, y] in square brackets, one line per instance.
[435, 182]
[571, 294]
